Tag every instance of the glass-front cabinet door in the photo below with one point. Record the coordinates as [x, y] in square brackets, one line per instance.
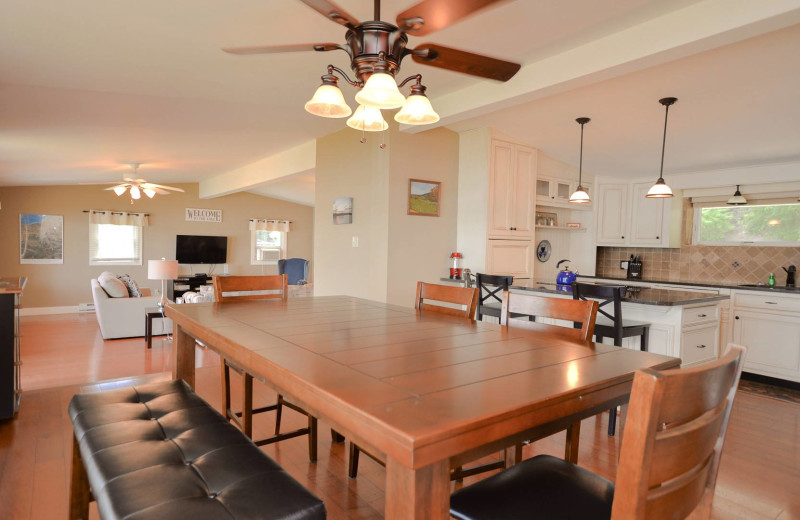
[562, 191]
[543, 188]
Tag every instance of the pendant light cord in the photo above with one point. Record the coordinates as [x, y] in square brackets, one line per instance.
[663, 145]
[580, 162]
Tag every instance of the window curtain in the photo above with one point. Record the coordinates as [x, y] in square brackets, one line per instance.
[263, 224]
[120, 218]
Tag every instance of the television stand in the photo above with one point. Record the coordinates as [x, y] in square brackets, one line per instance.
[182, 284]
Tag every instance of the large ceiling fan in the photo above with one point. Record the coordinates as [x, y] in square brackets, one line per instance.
[136, 187]
[376, 49]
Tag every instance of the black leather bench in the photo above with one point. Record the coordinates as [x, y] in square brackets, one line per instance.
[158, 451]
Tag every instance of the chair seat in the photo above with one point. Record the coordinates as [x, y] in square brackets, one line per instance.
[490, 309]
[603, 321]
[543, 487]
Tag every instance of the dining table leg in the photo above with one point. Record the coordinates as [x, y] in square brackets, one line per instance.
[418, 493]
[183, 356]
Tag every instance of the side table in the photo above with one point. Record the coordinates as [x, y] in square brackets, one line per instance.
[151, 313]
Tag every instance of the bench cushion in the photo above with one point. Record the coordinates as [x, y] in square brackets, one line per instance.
[159, 451]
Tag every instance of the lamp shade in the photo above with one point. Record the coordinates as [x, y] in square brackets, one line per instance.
[135, 192]
[150, 193]
[579, 196]
[737, 199]
[417, 111]
[162, 269]
[659, 190]
[380, 91]
[368, 119]
[328, 101]
[119, 190]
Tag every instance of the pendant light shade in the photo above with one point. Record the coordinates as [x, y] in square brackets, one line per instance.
[367, 119]
[380, 91]
[737, 199]
[579, 196]
[150, 193]
[660, 190]
[418, 109]
[328, 100]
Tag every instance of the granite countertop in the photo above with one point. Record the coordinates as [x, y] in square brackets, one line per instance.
[643, 295]
[12, 285]
[777, 288]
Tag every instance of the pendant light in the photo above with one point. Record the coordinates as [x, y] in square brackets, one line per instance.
[580, 196]
[660, 190]
[737, 199]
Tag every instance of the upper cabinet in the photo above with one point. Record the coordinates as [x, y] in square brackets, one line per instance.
[512, 172]
[625, 217]
[555, 192]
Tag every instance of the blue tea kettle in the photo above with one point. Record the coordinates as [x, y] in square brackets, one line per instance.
[565, 277]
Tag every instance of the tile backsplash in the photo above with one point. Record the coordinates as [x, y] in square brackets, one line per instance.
[697, 264]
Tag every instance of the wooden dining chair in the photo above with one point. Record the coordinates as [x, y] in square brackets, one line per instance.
[467, 301]
[491, 289]
[243, 288]
[668, 462]
[575, 311]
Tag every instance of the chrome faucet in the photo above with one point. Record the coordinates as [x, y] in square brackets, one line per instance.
[469, 278]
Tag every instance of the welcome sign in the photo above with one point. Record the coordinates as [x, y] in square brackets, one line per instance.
[203, 215]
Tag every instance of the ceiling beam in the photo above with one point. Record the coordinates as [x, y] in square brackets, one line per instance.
[295, 160]
[696, 28]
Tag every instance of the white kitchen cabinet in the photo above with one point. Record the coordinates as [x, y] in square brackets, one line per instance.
[511, 176]
[510, 257]
[625, 217]
[612, 214]
[699, 344]
[769, 326]
[556, 192]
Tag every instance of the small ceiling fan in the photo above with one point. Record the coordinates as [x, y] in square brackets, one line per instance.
[367, 40]
[137, 186]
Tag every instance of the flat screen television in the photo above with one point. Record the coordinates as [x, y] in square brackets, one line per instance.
[196, 249]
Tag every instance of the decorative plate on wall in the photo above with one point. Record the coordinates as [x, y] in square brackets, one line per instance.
[543, 251]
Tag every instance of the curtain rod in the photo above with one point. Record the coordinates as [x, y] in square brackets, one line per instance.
[117, 212]
[271, 220]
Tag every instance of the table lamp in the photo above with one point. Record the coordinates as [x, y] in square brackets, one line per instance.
[162, 270]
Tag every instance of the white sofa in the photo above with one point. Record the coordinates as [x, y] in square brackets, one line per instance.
[124, 317]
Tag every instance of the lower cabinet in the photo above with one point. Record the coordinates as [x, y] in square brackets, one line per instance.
[699, 344]
[510, 257]
[772, 341]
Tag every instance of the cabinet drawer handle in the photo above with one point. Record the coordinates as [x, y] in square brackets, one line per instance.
[772, 303]
[701, 346]
[701, 315]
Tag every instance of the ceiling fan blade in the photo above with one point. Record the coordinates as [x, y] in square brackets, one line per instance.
[117, 186]
[159, 191]
[432, 15]
[333, 12]
[466, 62]
[269, 49]
[99, 183]
[160, 186]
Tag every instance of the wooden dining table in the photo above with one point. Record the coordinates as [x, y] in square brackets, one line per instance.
[421, 391]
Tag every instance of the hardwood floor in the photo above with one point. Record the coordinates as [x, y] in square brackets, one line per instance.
[63, 354]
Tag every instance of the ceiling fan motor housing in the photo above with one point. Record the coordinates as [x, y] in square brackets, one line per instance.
[367, 41]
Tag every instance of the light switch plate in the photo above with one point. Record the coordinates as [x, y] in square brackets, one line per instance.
[355, 241]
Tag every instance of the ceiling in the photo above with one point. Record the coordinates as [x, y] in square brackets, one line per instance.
[86, 87]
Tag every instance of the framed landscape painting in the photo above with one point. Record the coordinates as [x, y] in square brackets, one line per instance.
[343, 210]
[423, 197]
[41, 239]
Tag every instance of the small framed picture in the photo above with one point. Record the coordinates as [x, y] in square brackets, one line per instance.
[343, 210]
[424, 197]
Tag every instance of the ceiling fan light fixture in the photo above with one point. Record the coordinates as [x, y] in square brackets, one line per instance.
[579, 196]
[328, 100]
[418, 109]
[660, 190]
[737, 199]
[136, 193]
[380, 91]
[367, 119]
[149, 192]
[119, 190]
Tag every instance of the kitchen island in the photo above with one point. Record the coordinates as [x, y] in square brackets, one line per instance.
[10, 293]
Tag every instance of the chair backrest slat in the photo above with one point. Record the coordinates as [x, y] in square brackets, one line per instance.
[254, 285]
[491, 287]
[461, 296]
[673, 441]
[577, 311]
[610, 305]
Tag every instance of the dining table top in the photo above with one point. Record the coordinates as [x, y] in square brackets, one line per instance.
[419, 387]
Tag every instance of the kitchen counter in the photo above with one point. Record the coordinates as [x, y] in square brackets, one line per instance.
[643, 295]
[777, 288]
[12, 285]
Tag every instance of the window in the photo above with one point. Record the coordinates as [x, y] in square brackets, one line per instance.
[267, 247]
[759, 224]
[114, 244]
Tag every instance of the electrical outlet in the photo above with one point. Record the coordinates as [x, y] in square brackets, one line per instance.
[623, 264]
[355, 241]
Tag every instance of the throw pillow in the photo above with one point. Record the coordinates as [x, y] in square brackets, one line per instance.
[131, 285]
[112, 286]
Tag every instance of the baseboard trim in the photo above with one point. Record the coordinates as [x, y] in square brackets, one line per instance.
[37, 311]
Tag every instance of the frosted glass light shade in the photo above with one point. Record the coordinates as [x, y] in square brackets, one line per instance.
[368, 119]
[380, 91]
[659, 190]
[417, 111]
[737, 199]
[119, 190]
[150, 193]
[135, 193]
[328, 101]
[579, 196]
[162, 269]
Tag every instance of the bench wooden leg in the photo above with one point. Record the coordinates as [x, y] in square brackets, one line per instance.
[312, 438]
[79, 492]
[225, 375]
[352, 467]
[247, 404]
